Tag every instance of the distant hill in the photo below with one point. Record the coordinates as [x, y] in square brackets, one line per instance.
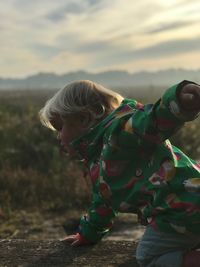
[120, 79]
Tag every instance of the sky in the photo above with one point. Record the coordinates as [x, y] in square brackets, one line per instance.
[98, 35]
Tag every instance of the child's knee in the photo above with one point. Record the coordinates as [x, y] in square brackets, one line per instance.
[172, 259]
[141, 257]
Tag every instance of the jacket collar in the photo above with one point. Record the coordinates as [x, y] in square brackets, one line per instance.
[88, 146]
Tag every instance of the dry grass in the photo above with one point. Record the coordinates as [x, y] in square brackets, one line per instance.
[33, 173]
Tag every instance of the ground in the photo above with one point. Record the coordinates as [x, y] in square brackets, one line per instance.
[35, 225]
[29, 253]
[33, 239]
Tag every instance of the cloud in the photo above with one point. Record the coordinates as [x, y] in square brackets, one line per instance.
[98, 34]
[157, 52]
[162, 50]
[62, 12]
[45, 51]
[95, 47]
[169, 26]
[72, 8]
[168, 48]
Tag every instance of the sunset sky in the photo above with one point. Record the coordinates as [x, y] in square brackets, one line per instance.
[97, 35]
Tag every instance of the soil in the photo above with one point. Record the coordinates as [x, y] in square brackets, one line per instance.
[31, 239]
[35, 225]
[51, 253]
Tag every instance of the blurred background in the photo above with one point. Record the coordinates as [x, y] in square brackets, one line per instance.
[137, 48]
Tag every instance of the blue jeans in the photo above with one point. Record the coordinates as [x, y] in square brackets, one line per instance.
[159, 249]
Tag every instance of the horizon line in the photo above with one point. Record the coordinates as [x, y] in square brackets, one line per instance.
[96, 73]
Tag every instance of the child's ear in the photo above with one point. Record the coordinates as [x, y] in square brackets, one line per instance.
[100, 111]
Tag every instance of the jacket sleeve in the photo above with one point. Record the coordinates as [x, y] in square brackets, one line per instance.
[98, 220]
[158, 122]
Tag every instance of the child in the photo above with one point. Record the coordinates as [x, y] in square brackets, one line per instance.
[133, 166]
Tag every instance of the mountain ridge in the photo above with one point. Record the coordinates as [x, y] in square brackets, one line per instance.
[112, 78]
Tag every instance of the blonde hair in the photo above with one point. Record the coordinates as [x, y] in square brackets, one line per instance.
[86, 98]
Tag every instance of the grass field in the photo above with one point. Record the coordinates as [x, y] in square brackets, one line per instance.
[33, 174]
[40, 189]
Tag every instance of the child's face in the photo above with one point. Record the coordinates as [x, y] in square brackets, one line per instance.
[68, 130]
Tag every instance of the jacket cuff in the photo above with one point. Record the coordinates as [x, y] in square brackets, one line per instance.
[89, 231]
[171, 100]
[82, 239]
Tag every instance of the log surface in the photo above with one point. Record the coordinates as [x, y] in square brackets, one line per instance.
[29, 253]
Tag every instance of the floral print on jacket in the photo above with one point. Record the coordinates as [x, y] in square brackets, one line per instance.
[134, 168]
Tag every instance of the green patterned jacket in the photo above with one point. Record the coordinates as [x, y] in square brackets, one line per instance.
[134, 168]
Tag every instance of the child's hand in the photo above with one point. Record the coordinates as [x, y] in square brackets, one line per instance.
[76, 240]
[189, 97]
